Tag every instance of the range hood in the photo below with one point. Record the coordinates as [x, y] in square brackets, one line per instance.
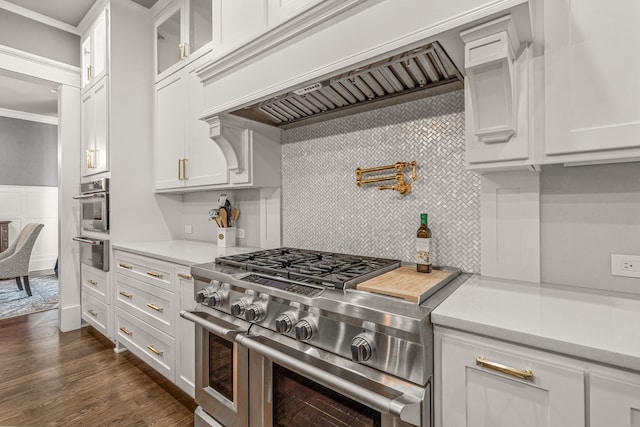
[417, 73]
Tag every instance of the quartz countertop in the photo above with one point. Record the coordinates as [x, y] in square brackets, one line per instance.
[184, 252]
[595, 325]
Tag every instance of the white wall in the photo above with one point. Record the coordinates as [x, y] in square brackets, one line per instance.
[586, 214]
[23, 205]
[195, 212]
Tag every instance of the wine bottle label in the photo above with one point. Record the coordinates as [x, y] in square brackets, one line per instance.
[422, 250]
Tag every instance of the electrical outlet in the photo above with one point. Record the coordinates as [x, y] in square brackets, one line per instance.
[240, 233]
[188, 229]
[625, 265]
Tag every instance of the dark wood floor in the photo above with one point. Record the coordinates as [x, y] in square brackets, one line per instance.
[50, 378]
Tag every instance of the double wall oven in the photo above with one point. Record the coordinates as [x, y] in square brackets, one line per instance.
[94, 205]
[284, 339]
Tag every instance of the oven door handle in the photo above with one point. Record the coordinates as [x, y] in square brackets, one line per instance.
[408, 408]
[194, 316]
[90, 196]
[89, 241]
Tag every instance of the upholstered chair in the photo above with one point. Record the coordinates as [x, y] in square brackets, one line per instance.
[14, 262]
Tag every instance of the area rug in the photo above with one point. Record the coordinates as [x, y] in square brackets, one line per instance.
[14, 302]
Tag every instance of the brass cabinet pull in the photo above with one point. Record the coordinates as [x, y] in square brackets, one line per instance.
[92, 282]
[154, 350]
[185, 276]
[155, 307]
[184, 169]
[126, 331]
[93, 313]
[179, 170]
[527, 374]
[154, 274]
[126, 295]
[127, 266]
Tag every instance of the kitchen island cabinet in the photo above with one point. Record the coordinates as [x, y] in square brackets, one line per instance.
[582, 348]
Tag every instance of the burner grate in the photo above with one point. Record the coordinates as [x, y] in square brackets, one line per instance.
[313, 267]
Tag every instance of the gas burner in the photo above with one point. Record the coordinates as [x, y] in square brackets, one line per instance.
[326, 269]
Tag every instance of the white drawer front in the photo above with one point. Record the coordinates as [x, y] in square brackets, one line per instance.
[95, 313]
[95, 283]
[148, 270]
[147, 302]
[148, 343]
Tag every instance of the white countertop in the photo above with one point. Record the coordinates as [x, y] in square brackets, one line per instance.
[185, 252]
[595, 325]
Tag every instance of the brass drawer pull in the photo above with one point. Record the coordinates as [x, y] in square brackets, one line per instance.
[126, 331]
[127, 266]
[155, 307]
[93, 313]
[527, 374]
[92, 282]
[126, 295]
[154, 274]
[154, 350]
[185, 276]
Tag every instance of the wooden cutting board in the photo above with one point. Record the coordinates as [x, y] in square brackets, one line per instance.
[406, 283]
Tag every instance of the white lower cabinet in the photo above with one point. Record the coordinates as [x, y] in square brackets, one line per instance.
[149, 295]
[482, 382]
[96, 299]
[614, 398]
[185, 335]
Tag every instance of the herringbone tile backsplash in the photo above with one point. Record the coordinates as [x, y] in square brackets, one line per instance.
[323, 209]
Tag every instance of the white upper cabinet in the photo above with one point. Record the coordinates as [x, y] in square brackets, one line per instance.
[183, 32]
[185, 156]
[94, 123]
[95, 51]
[592, 80]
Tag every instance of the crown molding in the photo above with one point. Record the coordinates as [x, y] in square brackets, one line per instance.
[14, 114]
[35, 16]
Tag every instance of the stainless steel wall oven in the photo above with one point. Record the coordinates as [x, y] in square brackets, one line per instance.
[276, 347]
[94, 205]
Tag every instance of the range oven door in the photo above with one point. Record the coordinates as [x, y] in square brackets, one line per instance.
[298, 385]
[222, 377]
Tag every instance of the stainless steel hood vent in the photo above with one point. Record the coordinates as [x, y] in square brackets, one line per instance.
[420, 72]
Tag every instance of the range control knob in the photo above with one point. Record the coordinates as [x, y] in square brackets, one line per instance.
[254, 313]
[304, 330]
[284, 323]
[238, 307]
[201, 296]
[361, 349]
[215, 299]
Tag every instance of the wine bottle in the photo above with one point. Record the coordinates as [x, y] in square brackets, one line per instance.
[423, 246]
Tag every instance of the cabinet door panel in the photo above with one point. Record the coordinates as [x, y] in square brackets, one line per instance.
[206, 164]
[200, 25]
[478, 396]
[170, 131]
[185, 335]
[88, 129]
[101, 153]
[168, 37]
[591, 84]
[614, 399]
[99, 50]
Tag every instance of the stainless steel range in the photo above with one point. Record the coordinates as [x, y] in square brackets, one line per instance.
[285, 339]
